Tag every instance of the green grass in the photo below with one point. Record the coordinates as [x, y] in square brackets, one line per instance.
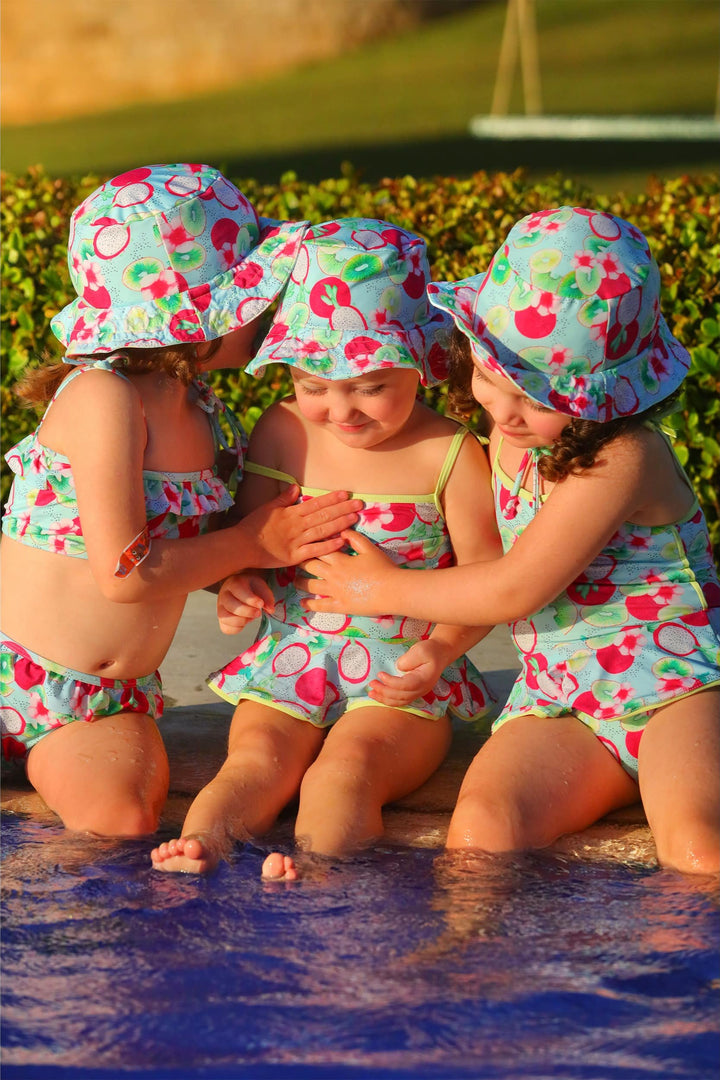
[411, 97]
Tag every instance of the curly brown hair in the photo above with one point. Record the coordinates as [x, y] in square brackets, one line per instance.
[182, 362]
[579, 443]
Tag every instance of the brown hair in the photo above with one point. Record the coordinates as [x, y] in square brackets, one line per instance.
[181, 361]
[577, 446]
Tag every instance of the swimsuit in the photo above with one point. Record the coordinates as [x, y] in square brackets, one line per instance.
[42, 508]
[640, 627]
[316, 665]
[38, 695]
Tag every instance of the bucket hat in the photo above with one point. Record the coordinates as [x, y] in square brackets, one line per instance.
[166, 254]
[569, 310]
[356, 301]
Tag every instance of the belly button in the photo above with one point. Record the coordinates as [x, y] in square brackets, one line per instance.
[105, 665]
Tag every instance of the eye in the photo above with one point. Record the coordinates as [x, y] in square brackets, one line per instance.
[310, 391]
[372, 390]
[536, 406]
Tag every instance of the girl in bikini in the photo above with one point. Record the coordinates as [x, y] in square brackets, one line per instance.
[107, 527]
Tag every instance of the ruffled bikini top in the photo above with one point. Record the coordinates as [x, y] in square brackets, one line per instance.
[42, 509]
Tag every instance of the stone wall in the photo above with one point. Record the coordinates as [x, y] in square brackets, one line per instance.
[72, 57]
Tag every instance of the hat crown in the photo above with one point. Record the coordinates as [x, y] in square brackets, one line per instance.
[569, 309]
[171, 226]
[359, 270]
[356, 301]
[558, 264]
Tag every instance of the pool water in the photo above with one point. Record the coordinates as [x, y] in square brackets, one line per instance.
[398, 963]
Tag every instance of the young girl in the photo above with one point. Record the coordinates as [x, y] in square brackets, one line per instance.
[607, 578]
[114, 491]
[356, 328]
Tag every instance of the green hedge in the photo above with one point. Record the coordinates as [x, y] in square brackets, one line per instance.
[463, 222]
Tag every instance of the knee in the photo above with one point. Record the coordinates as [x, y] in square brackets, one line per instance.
[121, 817]
[348, 767]
[694, 850]
[489, 825]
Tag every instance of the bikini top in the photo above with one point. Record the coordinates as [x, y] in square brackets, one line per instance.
[411, 529]
[42, 509]
[645, 573]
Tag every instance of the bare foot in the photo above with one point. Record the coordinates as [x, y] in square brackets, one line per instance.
[278, 867]
[187, 855]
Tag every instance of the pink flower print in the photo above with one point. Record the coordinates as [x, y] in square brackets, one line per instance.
[558, 357]
[84, 331]
[158, 286]
[175, 236]
[414, 555]
[584, 260]
[511, 507]
[609, 264]
[619, 655]
[60, 531]
[38, 710]
[92, 287]
[377, 517]
[676, 685]
[79, 700]
[22, 520]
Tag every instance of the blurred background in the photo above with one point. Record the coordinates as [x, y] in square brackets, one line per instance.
[262, 87]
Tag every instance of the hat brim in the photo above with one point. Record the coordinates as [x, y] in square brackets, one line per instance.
[233, 299]
[346, 354]
[632, 386]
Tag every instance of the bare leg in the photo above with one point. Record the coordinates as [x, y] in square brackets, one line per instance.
[679, 765]
[534, 780]
[371, 757]
[268, 754]
[109, 777]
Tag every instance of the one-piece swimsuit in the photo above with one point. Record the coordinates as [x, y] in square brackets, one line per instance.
[637, 629]
[316, 666]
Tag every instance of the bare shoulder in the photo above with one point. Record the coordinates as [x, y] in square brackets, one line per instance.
[96, 400]
[272, 432]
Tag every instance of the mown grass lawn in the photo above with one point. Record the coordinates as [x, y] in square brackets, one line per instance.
[417, 92]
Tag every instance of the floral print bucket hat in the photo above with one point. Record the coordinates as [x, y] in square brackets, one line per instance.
[356, 301]
[569, 310]
[167, 254]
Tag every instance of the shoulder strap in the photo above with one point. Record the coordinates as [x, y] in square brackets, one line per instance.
[450, 459]
[272, 474]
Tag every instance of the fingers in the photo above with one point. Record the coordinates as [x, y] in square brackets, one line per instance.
[329, 507]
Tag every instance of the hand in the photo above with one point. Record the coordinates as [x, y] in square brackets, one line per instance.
[423, 664]
[286, 532]
[241, 599]
[351, 584]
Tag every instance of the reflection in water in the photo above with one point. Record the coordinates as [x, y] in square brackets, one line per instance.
[399, 962]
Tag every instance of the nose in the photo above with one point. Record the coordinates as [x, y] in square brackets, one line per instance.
[341, 408]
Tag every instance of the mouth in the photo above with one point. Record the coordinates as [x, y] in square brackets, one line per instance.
[350, 429]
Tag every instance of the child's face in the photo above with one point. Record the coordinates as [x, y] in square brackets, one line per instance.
[520, 420]
[362, 412]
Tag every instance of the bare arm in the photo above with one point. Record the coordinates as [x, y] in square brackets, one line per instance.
[105, 443]
[574, 525]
